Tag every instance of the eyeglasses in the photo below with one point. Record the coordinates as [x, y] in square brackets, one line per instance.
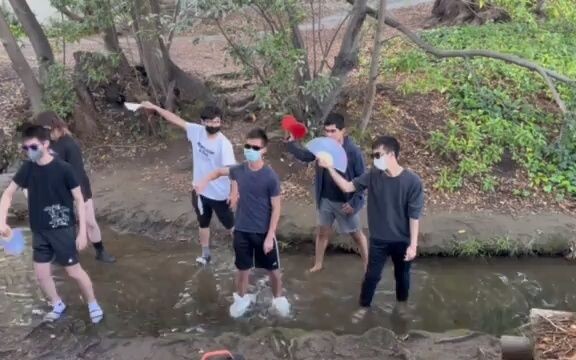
[253, 147]
[32, 147]
[376, 155]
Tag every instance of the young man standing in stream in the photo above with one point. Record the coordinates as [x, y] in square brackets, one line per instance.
[395, 202]
[332, 203]
[257, 215]
[52, 192]
[211, 150]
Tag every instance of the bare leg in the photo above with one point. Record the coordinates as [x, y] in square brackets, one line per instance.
[77, 273]
[204, 234]
[242, 278]
[322, 237]
[362, 243]
[276, 281]
[43, 273]
[94, 233]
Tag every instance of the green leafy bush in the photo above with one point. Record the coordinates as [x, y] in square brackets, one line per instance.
[59, 94]
[495, 105]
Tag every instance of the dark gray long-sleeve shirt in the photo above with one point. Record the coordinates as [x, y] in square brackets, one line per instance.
[392, 202]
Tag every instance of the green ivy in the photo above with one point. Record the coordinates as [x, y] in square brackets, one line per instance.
[493, 103]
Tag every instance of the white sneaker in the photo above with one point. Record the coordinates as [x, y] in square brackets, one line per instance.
[281, 306]
[240, 305]
[203, 260]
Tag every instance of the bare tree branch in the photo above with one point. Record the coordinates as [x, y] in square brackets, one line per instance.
[555, 93]
[320, 28]
[347, 58]
[239, 52]
[268, 19]
[374, 67]
[390, 21]
[329, 47]
[174, 22]
[315, 66]
[69, 14]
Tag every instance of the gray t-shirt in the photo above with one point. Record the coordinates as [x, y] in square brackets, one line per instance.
[254, 206]
[392, 202]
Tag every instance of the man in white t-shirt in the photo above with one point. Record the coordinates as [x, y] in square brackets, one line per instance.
[211, 150]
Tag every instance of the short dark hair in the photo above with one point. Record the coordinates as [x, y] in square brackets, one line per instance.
[258, 133]
[35, 132]
[50, 120]
[336, 120]
[389, 143]
[210, 112]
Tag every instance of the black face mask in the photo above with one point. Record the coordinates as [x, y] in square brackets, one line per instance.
[212, 129]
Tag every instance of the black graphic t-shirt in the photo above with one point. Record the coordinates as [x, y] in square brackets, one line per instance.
[50, 200]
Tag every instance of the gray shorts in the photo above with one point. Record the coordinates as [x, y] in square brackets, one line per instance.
[331, 210]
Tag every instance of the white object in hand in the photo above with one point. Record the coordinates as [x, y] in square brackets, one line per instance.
[132, 106]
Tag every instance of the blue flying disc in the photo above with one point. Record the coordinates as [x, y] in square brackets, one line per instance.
[15, 245]
[332, 148]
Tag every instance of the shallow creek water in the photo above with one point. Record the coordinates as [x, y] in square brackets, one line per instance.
[157, 287]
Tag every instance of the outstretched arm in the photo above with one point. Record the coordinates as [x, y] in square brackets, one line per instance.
[169, 116]
[5, 203]
[201, 186]
[343, 184]
[299, 152]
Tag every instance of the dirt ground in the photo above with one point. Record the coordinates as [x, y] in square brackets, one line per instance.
[78, 341]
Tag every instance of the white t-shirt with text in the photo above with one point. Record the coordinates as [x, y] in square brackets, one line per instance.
[209, 155]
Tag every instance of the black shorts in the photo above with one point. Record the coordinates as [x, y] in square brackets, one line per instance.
[221, 208]
[249, 252]
[58, 245]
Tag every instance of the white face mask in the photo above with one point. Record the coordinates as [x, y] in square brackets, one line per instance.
[381, 163]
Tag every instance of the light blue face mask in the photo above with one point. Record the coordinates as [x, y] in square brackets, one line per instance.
[252, 155]
[34, 155]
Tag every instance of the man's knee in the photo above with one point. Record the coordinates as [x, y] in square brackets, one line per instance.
[358, 236]
[372, 276]
[275, 274]
[42, 272]
[324, 232]
[75, 271]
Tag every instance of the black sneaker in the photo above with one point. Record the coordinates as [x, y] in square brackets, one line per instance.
[204, 260]
[105, 257]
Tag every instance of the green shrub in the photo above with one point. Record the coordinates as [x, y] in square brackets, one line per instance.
[494, 104]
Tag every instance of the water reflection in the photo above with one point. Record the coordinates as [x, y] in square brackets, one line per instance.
[155, 288]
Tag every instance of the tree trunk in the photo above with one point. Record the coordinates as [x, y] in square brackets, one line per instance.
[374, 67]
[160, 69]
[347, 58]
[152, 56]
[458, 12]
[36, 34]
[20, 65]
[111, 37]
[85, 111]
